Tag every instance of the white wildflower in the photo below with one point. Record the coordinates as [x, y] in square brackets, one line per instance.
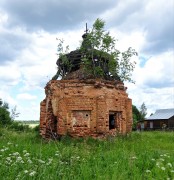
[19, 159]
[161, 155]
[161, 159]
[172, 171]
[158, 164]
[148, 171]
[15, 154]
[169, 164]
[2, 150]
[24, 151]
[8, 158]
[29, 161]
[153, 159]
[134, 157]
[27, 154]
[163, 168]
[41, 161]
[32, 173]
[26, 171]
[9, 143]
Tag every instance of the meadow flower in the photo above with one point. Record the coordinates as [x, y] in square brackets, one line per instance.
[158, 164]
[172, 171]
[15, 153]
[19, 158]
[41, 161]
[148, 171]
[29, 161]
[9, 143]
[32, 173]
[49, 161]
[153, 159]
[27, 154]
[161, 159]
[163, 168]
[134, 157]
[26, 171]
[169, 164]
[24, 151]
[2, 150]
[8, 158]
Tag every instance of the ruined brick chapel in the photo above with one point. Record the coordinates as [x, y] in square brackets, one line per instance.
[81, 103]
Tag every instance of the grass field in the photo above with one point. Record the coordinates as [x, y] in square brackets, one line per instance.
[31, 124]
[146, 155]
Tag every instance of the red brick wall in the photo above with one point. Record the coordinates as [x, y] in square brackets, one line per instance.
[81, 108]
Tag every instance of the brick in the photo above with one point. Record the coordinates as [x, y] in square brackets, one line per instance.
[83, 108]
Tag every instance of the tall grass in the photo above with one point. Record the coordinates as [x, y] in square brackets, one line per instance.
[146, 155]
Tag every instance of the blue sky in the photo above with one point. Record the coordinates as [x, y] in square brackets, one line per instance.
[28, 32]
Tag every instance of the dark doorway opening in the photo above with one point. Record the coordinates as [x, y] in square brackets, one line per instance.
[111, 121]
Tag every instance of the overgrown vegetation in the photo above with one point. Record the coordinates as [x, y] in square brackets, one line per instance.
[99, 56]
[146, 155]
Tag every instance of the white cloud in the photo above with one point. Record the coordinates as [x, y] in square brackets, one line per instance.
[28, 46]
[154, 83]
[26, 96]
[9, 75]
[157, 72]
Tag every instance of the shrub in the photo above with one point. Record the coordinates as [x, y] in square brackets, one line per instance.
[4, 116]
[36, 128]
[19, 127]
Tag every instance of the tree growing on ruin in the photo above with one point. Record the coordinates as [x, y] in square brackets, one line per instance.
[100, 42]
[100, 58]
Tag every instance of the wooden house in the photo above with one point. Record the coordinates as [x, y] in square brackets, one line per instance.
[161, 119]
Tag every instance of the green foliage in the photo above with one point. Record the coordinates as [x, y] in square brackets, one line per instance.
[36, 128]
[136, 116]
[119, 64]
[4, 114]
[19, 127]
[100, 58]
[65, 65]
[146, 155]
[143, 111]
[125, 66]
